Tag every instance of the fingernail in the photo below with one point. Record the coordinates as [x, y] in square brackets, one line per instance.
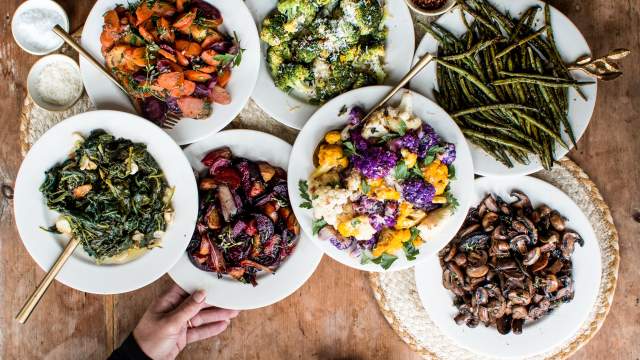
[199, 296]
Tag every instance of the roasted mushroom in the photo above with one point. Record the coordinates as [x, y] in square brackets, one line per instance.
[509, 264]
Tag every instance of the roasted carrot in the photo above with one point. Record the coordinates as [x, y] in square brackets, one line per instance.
[208, 56]
[167, 55]
[187, 88]
[197, 76]
[220, 95]
[208, 69]
[192, 107]
[182, 60]
[185, 21]
[212, 38]
[143, 13]
[171, 80]
[224, 77]
[111, 20]
[148, 36]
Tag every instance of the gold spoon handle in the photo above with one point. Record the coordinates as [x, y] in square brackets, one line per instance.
[37, 294]
[426, 59]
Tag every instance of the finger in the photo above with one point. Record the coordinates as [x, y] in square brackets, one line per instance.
[206, 331]
[189, 307]
[206, 316]
[170, 299]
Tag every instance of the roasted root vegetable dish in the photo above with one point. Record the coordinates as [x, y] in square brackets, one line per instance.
[111, 195]
[380, 185]
[509, 264]
[171, 56]
[245, 224]
[318, 49]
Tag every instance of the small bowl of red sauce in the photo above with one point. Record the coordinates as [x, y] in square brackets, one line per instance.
[431, 7]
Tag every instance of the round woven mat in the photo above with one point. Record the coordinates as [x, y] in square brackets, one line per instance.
[398, 298]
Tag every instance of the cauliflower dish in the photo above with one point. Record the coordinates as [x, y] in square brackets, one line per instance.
[380, 184]
[318, 49]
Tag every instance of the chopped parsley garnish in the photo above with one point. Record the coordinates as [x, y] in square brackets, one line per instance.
[431, 154]
[401, 171]
[365, 187]
[317, 225]
[304, 194]
[349, 148]
[452, 172]
[385, 260]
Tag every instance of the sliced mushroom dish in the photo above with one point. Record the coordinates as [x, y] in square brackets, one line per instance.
[245, 222]
[509, 264]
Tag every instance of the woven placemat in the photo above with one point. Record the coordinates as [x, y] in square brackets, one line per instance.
[398, 298]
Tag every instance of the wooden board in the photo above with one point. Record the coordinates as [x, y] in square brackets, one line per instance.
[334, 316]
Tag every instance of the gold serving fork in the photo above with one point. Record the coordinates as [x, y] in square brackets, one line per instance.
[171, 119]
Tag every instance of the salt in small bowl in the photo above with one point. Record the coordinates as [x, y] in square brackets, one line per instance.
[38, 73]
[19, 26]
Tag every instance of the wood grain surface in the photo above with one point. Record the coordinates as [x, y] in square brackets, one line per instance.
[333, 316]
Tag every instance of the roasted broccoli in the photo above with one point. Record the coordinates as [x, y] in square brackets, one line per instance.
[276, 56]
[306, 50]
[363, 79]
[273, 32]
[365, 14]
[295, 9]
[293, 77]
[371, 60]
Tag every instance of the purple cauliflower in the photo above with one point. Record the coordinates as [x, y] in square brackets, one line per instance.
[377, 221]
[390, 213]
[356, 114]
[448, 156]
[428, 139]
[418, 192]
[369, 206]
[375, 162]
[409, 141]
[360, 143]
[368, 244]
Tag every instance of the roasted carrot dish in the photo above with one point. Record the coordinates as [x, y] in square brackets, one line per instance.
[170, 56]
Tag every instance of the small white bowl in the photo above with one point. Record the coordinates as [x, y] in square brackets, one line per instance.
[37, 71]
[448, 5]
[20, 38]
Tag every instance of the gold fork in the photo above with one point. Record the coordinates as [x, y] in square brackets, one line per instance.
[171, 119]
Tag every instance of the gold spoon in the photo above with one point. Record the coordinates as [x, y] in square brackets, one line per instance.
[35, 297]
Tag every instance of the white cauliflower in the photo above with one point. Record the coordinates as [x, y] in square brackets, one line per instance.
[328, 203]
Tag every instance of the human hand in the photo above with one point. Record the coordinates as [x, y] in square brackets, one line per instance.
[177, 319]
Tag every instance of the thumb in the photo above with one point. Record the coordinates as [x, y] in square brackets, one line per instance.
[189, 307]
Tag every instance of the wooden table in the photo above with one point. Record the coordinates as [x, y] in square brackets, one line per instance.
[333, 316]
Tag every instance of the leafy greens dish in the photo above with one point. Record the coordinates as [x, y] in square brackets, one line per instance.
[245, 222]
[505, 84]
[111, 195]
[318, 49]
[381, 183]
[171, 56]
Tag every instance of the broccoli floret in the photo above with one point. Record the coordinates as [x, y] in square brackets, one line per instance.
[348, 31]
[364, 79]
[273, 30]
[365, 14]
[321, 3]
[371, 60]
[306, 50]
[293, 77]
[341, 79]
[276, 56]
[350, 54]
[294, 9]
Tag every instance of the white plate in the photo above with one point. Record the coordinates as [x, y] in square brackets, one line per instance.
[229, 293]
[571, 45]
[548, 332]
[106, 95]
[295, 113]
[80, 272]
[326, 119]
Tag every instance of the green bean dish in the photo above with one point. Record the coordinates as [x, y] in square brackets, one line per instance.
[505, 84]
[319, 49]
[111, 195]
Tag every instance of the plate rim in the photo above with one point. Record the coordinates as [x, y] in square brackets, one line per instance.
[292, 183]
[219, 125]
[20, 188]
[263, 100]
[512, 183]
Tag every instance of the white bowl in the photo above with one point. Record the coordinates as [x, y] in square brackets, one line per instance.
[80, 272]
[552, 330]
[229, 293]
[326, 119]
[106, 95]
[47, 5]
[37, 72]
[292, 111]
[571, 45]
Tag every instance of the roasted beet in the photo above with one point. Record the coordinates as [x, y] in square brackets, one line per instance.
[209, 11]
[154, 110]
[245, 222]
[201, 91]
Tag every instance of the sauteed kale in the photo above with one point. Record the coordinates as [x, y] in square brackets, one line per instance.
[111, 194]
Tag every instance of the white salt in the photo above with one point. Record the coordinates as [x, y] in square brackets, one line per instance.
[58, 83]
[34, 29]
